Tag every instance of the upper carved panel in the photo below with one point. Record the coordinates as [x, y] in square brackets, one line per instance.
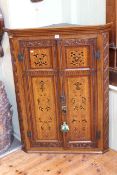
[79, 52]
[40, 58]
[77, 57]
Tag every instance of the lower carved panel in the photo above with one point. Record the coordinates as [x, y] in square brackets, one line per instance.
[45, 108]
[79, 113]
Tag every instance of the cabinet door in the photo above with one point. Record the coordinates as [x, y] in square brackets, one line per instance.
[41, 90]
[79, 87]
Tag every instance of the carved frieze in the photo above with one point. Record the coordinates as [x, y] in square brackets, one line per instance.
[37, 43]
[78, 42]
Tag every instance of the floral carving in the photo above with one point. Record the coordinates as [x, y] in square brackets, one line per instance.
[77, 58]
[44, 108]
[79, 96]
[40, 58]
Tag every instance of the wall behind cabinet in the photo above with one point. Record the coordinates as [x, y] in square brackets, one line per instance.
[84, 12]
[24, 14]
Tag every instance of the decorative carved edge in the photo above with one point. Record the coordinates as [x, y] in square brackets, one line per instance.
[52, 42]
[54, 72]
[74, 42]
[105, 37]
[37, 43]
[47, 144]
[69, 145]
[82, 145]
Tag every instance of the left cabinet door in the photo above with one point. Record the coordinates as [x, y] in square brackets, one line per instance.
[40, 84]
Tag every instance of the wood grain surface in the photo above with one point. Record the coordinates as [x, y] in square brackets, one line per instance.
[21, 163]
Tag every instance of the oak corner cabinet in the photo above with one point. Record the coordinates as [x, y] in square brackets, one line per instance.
[61, 82]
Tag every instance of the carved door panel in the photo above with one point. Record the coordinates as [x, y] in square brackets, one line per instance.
[41, 89]
[79, 87]
[60, 87]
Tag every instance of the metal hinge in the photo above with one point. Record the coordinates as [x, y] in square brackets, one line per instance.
[29, 134]
[20, 56]
[97, 54]
[98, 135]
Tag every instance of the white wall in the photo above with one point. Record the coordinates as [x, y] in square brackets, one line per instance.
[24, 14]
[113, 117]
[84, 12]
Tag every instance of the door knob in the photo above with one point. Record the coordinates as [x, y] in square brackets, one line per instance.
[64, 127]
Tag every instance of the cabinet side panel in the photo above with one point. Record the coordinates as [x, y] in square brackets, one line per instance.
[20, 94]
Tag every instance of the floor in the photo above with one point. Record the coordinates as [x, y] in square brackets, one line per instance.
[21, 163]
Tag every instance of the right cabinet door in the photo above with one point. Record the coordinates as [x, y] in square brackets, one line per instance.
[79, 87]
